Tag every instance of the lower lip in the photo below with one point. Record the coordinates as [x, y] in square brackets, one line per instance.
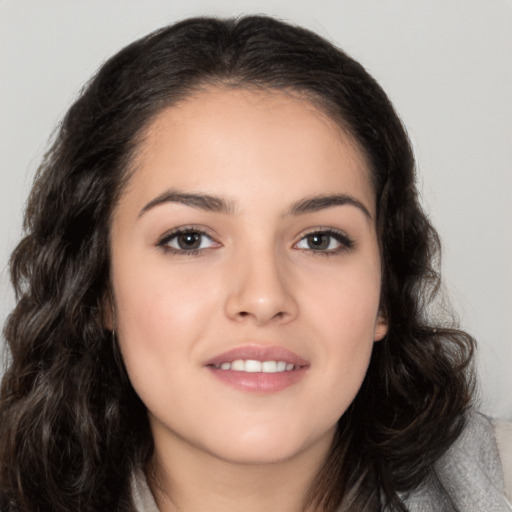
[259, 382]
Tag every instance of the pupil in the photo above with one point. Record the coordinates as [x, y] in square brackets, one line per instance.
[189, 240]
[318, 241]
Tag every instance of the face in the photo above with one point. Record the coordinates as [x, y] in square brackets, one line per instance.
[246, 275]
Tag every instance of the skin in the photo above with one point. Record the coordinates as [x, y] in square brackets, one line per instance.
[254, 280]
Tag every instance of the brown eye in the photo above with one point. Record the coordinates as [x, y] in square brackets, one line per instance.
[318, 241]
[327, 242]
[187, 241]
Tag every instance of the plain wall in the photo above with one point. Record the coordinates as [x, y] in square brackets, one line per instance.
[446, 65]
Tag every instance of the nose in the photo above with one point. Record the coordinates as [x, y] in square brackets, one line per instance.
[260, 290]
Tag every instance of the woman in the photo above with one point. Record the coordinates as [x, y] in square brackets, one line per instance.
[225, 295]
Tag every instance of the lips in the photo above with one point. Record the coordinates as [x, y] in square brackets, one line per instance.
[258, 369]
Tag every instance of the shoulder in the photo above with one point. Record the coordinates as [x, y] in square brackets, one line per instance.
[503, 435]
[469, 476]
[471, 469]
[142, 497]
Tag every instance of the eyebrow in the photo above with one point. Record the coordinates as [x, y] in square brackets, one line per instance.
[316, 203]
[218, 204]
[200, 201]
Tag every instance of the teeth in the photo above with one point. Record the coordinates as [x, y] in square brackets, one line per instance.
[238, 365]
[253, 366]
[269, 366]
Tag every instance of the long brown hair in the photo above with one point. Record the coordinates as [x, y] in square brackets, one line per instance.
[72, 429]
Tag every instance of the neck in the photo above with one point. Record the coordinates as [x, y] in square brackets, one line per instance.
[196, 481]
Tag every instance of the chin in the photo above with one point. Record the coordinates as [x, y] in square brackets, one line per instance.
[257, 456]
[270, 447]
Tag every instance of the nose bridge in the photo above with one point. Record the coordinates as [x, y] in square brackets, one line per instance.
[260, 286]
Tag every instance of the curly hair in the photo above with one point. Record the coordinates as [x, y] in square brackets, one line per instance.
[72, 429]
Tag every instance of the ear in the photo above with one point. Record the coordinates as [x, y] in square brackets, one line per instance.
[107, 312]
[381, 328]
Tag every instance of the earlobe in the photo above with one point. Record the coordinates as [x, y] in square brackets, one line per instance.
[381, 328]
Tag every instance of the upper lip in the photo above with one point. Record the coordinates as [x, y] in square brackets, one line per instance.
[258, 353]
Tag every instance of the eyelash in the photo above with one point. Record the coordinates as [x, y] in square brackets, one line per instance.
[163, 243]
[346, 243]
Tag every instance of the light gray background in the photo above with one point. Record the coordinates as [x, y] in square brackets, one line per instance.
[446, 65]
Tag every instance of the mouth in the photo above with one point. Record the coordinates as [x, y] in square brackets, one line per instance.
[258, 369]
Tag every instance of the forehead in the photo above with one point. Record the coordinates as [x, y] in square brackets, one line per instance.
[246, 141]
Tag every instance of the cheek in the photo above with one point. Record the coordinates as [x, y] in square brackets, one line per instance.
[154, 295]
[346, 302]
[160, 316]
[344, 310]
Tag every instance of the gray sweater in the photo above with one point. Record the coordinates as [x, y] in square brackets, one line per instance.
[468, 478]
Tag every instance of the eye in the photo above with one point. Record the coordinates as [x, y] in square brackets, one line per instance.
[325, 241]
[187, 241]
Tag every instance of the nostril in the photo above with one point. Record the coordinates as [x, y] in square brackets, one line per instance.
[260, 305]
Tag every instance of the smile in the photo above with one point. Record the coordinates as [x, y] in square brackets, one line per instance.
[254, 366]
[259, 369]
